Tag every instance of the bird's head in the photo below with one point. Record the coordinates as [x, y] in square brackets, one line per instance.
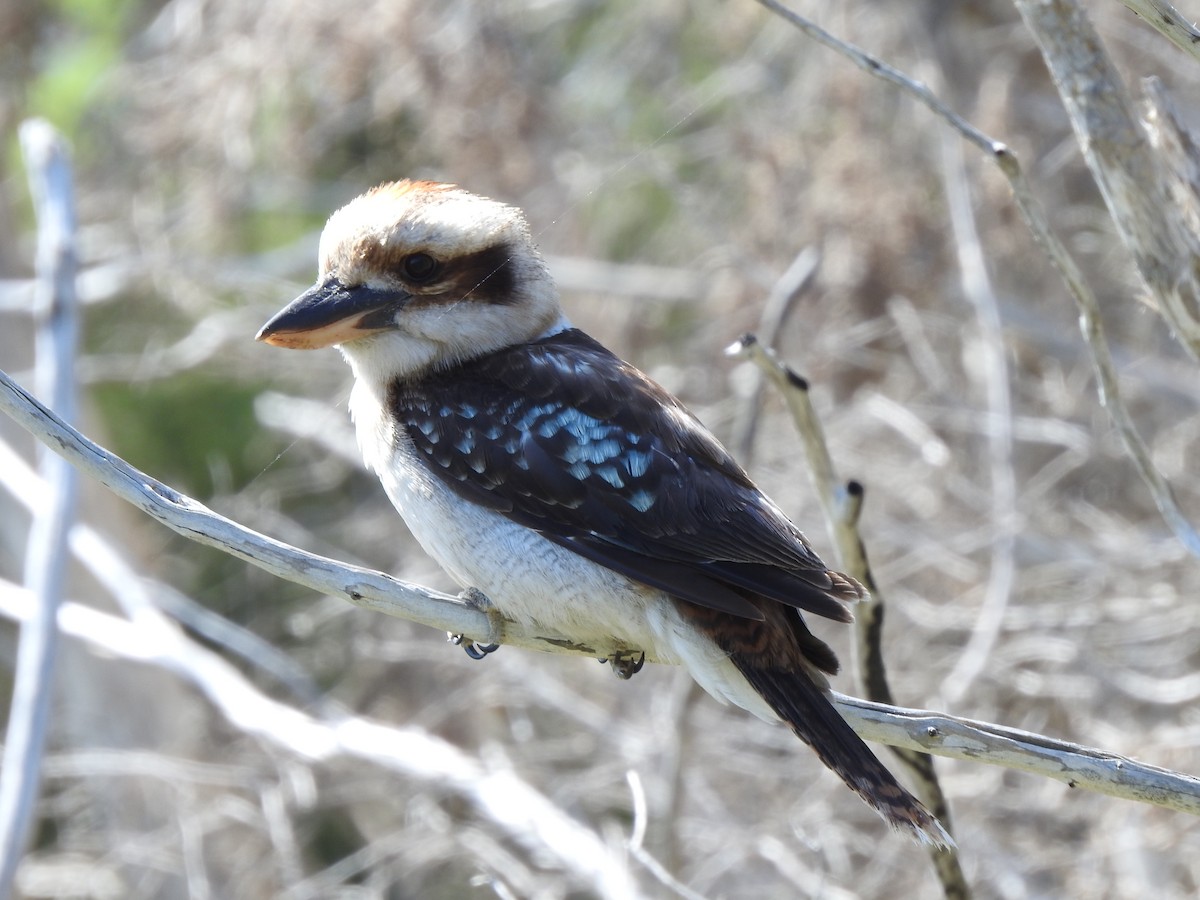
[415, 276]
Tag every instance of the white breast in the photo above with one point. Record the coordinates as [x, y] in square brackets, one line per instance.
[528, 578]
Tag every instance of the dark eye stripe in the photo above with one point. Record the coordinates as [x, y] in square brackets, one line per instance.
[486, 275]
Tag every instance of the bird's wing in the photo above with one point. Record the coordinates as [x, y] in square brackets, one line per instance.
[563, 437]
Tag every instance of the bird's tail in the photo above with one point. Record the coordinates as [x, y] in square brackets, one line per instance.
[801, 703]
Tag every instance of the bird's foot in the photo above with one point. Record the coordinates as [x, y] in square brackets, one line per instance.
[478, 600]
[472, 649]
[626, 665]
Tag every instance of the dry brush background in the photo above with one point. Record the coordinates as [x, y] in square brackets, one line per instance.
[687, 152]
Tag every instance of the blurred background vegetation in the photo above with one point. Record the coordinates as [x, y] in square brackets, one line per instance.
[687, 151]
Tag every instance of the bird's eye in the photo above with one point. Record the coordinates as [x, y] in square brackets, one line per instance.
[419, 266]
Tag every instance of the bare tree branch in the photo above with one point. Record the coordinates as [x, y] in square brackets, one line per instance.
[637, 839]
[189, 517]
[1035, 219]
[1072, 764]
[914, 729]
[46, 551]
[1128, 171]
[891, 75]
[405, 750]
[977, 288]
[842, 508]
[1164, 18]
[788, 288]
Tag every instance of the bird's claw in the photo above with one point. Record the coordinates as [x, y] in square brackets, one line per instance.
[472, 649]
[477, 599]
[626, 665]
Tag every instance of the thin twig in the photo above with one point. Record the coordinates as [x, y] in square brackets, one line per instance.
[780, 301]
[842, 507]
[840, 511]
[46, 553]
[1092, 327]
[839, 505]
[977, 288]
[869, 648]
[794, 390]
[880, 69]
[637, 839]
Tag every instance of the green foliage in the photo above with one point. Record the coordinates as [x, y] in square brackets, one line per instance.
[74, 69]
[267, 228]
[631, 215]
[196, 432]
[65, 88]
[101, 17]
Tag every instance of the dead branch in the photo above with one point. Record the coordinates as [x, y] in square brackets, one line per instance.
[929, 732]
[45, 557]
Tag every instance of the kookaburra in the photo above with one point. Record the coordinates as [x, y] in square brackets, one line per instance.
[573, 491]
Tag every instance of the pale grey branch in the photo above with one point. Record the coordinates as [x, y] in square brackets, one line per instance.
[422, 755]
[1072, 764]
[991, 355]
[1164, 18]
[842, 507]
[187, 516]
[789, 287]
[1127, 169]
[46, 552]
[1092, 769]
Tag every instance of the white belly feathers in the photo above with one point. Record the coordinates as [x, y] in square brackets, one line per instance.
[526, 576]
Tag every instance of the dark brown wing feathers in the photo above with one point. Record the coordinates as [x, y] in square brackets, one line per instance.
[568, 440]
[564, 438]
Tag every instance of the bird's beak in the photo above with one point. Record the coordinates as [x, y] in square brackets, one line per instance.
[331, 313]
